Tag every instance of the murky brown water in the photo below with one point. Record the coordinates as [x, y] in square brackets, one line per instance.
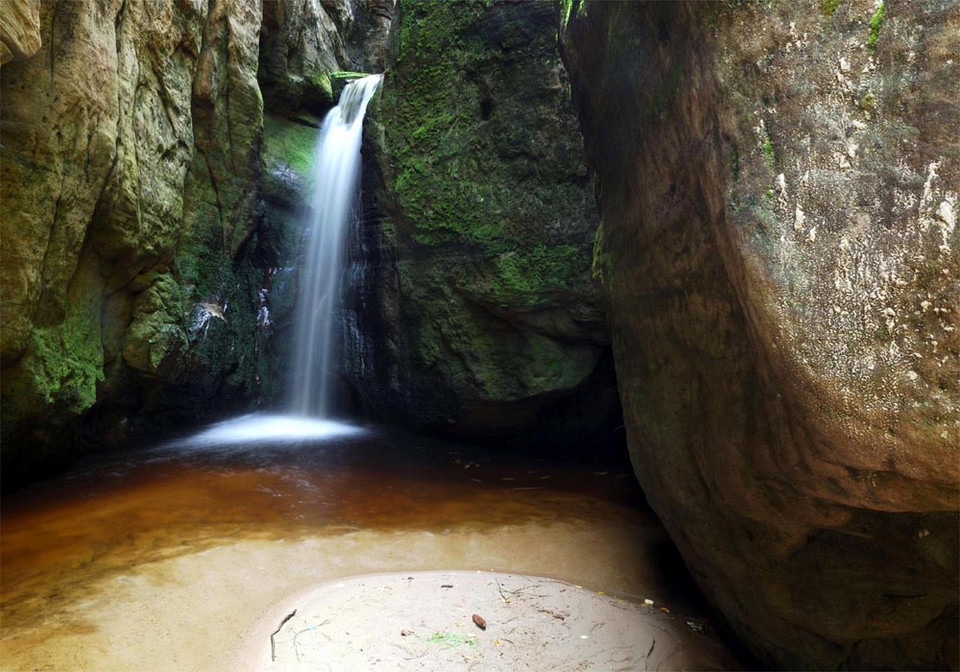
[175, 537]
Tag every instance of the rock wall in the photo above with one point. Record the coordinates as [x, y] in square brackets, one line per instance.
[19, 30]
[138, 254]
[476, 313]
[777, 185]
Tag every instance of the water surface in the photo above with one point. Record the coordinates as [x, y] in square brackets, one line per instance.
[217, 528]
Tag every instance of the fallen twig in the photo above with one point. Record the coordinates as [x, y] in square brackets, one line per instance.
[296, 648]
[273, 645]
[502, 596]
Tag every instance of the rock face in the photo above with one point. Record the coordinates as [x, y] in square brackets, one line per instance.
[779, 246]
[476, 312]
[304, 41]
[138, 258]
[19, 29]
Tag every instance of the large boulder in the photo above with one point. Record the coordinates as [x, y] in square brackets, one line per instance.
[475, 311]
[777, 186]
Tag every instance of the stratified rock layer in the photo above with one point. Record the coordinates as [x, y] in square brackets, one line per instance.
[779, 246]
[476, 312]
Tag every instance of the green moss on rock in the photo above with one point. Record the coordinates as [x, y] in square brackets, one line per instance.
[828, 7]
[340, 79]
[467, 171]
[66, 362]
[286, 159]
[155, 333]
[875, 22]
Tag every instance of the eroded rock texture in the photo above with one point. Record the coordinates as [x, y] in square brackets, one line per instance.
[19, 29]
[137, 262]
[778, 191]
[477, 313]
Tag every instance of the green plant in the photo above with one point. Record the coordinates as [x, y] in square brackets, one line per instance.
[769, 153]
[875, 22]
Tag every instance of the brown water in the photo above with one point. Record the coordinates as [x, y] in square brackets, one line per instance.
[160, 559]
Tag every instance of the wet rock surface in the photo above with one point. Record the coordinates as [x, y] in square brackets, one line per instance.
[474, 310]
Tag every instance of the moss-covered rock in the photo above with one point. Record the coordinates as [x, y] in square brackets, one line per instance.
[479, 311]
[147, 241]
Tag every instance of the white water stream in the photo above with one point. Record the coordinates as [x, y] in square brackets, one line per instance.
[336, 172]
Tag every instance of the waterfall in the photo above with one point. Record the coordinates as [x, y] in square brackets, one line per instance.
[336, 171]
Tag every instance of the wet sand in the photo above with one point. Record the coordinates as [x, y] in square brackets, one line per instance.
[162, 560]
[440, 621]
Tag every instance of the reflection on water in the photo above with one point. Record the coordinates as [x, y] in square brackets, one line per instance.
[161, 558]
[238, 481]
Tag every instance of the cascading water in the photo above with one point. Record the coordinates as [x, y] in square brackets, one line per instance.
[336, 171]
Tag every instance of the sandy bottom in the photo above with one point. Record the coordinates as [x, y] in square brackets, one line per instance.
[168, 561]
[471, 621]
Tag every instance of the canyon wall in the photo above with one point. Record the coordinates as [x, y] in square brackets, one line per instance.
[155, 166]
[476, 313]
[778, 190]
[138, 252]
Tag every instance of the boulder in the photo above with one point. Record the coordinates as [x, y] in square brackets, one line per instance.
[778, 193]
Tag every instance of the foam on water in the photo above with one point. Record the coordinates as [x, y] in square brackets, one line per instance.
[261, 429]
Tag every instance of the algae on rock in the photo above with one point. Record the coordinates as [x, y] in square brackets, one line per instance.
[479, 313]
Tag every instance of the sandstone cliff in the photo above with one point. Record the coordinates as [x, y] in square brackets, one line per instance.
[778, 191]
[136, 258]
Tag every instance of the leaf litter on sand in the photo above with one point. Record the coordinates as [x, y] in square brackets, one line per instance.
[450, 640]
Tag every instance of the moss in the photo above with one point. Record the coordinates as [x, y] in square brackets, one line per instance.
[223, 347]
[875, 22]
[344, 74]
[321, 80]
[768, 153]
[570, 8]
[338, 80]
[451, 180]
[735, 163]
[65, 363]
[288, 144]
[540, 269]
[600, 265]
[155, 332]
[828, 7]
